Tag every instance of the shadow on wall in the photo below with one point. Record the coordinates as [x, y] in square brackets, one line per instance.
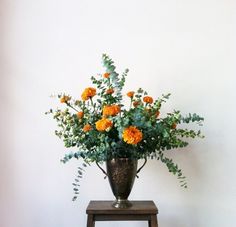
[6, 124]
[175, 221]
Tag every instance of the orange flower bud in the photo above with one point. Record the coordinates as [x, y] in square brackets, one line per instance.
[157, 113]
[65, 99]
[130, 94]
[109, 91]
[80, 114]
[148, 99]
[87, 128]
[173, 126]
[106, 75]
[136, 103]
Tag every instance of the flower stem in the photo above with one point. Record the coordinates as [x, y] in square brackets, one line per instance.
[68, 104]
[92, 104]
[131, 100]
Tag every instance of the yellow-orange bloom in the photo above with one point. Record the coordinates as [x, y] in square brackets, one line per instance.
[130, 94]
[148, 99]
[87, 128]
[111, 110]
[88, 93]
[109, 91]
[103, 124]
[106, 75]
[132, 135]
[80, 114]
[65, 99]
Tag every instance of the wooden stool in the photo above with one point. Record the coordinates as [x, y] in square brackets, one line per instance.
[140, 211]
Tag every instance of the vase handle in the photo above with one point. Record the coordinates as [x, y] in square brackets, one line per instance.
[145, 161]
[102, 170]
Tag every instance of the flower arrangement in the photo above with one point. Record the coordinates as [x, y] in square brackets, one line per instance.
[101, 127]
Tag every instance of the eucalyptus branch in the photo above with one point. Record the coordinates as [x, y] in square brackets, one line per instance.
[68, 104]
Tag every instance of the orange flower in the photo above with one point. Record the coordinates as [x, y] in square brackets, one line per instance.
[148, 99]
[130, 94]
[111, 110]
[80, 114]
[106, 75]
[157, 113]
[173, 126]
[109, 91]
[88, 93]
[136, 103]
[87, 128]
[65, 99]
[104, 124]
[132, 135]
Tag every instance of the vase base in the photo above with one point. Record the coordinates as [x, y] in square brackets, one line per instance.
[122, 203]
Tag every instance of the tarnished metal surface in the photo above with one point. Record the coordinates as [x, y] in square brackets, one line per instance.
[121, 173]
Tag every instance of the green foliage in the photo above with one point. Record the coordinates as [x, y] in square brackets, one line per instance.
[76, 184]
[77, 124]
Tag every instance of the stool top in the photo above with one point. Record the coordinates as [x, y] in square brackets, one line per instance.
[105, 207]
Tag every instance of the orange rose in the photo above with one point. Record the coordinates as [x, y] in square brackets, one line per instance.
[88, 93]
[87, 128]
[106, 75]
[65, 99]
[148, 99]
[130, 94]
[80, 114]
[111, 110]
[104, 124]
[109, 91]
[157, 113]
[132, 135]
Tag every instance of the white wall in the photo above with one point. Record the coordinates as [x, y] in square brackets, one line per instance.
[185, 47]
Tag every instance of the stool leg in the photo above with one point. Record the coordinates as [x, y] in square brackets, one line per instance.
[90, 221]
[153, 221]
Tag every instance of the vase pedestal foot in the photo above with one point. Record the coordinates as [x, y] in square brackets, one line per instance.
[122, 203]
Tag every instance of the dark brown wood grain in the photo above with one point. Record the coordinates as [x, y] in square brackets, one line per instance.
[140, 211]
